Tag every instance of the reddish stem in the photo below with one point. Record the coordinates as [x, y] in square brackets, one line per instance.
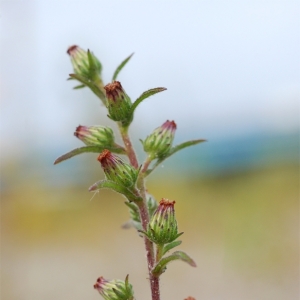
[128, 146]
[143, 209]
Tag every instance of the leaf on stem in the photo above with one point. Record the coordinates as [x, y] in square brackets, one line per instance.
[177, 255]
[144, 96]
[79, 87]
[95, 89]
[102, 184]
[174, 150]
[88, 149]
[92, 149]
[120, 67]
[170, 246]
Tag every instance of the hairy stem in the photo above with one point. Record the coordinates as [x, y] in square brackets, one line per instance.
[144, 216]
[128, 146]
[146, 164]
[144, 213]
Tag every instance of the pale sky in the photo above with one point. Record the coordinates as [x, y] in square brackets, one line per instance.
[230, 67]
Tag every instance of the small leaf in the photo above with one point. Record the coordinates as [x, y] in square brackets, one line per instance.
[79, 87]
[93, 149]
[121, 66]
[94, 88]
[174, 150]
[88, 149]
[170, 246]
[102, 184]
[177, 255]
[144, 96]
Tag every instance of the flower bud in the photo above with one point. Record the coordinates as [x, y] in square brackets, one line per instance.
[101, 136]
[159, 142]
[81, 63]
[117, 170]
[163, 225]
[114, 289]
[118, 103]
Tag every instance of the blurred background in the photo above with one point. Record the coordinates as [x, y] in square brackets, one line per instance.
[232, 70]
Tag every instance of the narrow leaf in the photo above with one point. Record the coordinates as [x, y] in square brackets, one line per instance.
[92, 149]
[116, 187]
[177, 255]
[77, 151]
[144, 96]
[170, 246]
[94, 88]
[79, 87]
[174, 150]
[121, 66]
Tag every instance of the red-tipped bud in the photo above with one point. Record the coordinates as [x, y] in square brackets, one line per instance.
[118, 103]
[163, 225]
[117, 170]
[114, 289]
[159, 142]
[82, 64]
[101, 136]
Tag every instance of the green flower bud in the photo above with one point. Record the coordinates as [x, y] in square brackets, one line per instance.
[159, 142]
[117, 170]
[118, 103]
[101, 136]
[114, 289]
[163, 225]
[81, 63]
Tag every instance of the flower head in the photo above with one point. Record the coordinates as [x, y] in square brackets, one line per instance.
[82, 64]
[114, 289]
[163, 225]
[159, 142]
[101, 136]
[118, 103]
[117, 170]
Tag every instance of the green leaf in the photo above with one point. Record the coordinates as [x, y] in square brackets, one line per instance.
[79, 87]
[89, 149]
[102, 184]
[95, 89]
[170, 246]
[174, 150]
[93, 149]
[121, 66]
[177, 255]
[144, 96]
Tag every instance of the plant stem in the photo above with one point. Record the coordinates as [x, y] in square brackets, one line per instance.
[146, 164]
[143, 209]
[144, 216]
[128, 146]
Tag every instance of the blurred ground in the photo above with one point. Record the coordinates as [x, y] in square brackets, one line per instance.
[242, 229]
